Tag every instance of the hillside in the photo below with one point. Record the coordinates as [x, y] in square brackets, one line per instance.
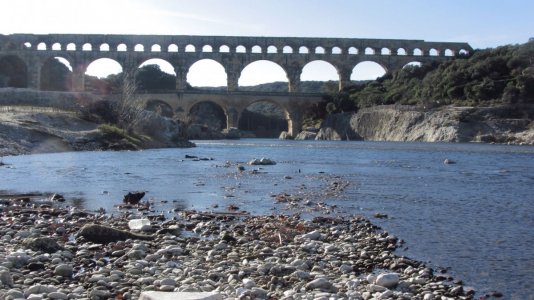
[499, 76]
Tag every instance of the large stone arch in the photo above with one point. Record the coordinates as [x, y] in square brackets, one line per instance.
[321, 63]
[159, 106]
[274, 119]
[56, 74]
[367, 66]
[13, 72]
[202, 65]
[91, 81]
[271, 63]
[208, 113]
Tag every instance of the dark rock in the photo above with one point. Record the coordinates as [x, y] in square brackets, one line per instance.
[190, 156]
[44, 244]
[104, 234]
[133, 197]
[34, 266]
[57, 197]
[380, 216]
[448, 162]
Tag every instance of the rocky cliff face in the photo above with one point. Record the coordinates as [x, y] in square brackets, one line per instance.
[448, 124]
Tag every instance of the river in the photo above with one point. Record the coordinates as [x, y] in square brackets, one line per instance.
[474, 217]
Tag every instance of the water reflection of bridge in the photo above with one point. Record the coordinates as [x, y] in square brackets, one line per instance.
[233, 104]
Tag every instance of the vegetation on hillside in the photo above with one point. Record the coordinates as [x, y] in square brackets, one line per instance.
[503, 75]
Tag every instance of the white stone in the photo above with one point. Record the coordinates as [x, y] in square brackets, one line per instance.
[137, 224]
[387, 280]
[314, 235]
[319, 283]
[152, 295]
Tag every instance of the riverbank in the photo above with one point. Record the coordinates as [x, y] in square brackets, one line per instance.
[500, 125]
[46, 252]
[28, 130]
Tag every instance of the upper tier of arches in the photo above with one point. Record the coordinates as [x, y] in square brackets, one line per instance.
[230, 44]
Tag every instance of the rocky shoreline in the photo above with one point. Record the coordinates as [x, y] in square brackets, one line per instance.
[49, 252]
[500, 125]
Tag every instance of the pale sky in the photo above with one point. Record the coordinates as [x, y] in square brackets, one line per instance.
[487, 23]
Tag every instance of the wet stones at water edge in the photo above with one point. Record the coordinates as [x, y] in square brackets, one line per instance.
[229, 254]
[105, 234]
[44, 244]
[262, 162]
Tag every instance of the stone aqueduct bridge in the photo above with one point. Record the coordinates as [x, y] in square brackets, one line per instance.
[29, 53]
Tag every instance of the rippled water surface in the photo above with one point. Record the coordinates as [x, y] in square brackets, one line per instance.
[475, 217]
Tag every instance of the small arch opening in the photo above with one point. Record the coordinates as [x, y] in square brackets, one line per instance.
[337, 50]
[433, 52]
[240, 49]
[224, 49]
[287, 49]
[207, 48]
[272, 49]
[417, 52]
[401, 51]
[369, 51]
[190, 48]
[87, 47]
[304, 50]
[319, 50]
[139, 48]
[385, 51]
[71, 47]
[256, 49]
[155, 48]
[172, 48]
[41, 46]
[104, 47]
[122, 47]
[56, 47]
[353, 50]
[449, 52]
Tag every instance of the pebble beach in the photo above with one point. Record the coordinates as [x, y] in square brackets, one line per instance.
[50, 252]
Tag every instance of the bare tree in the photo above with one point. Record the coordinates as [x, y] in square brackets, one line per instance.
[130, 107]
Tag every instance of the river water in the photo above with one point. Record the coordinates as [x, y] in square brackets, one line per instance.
[474, 217]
